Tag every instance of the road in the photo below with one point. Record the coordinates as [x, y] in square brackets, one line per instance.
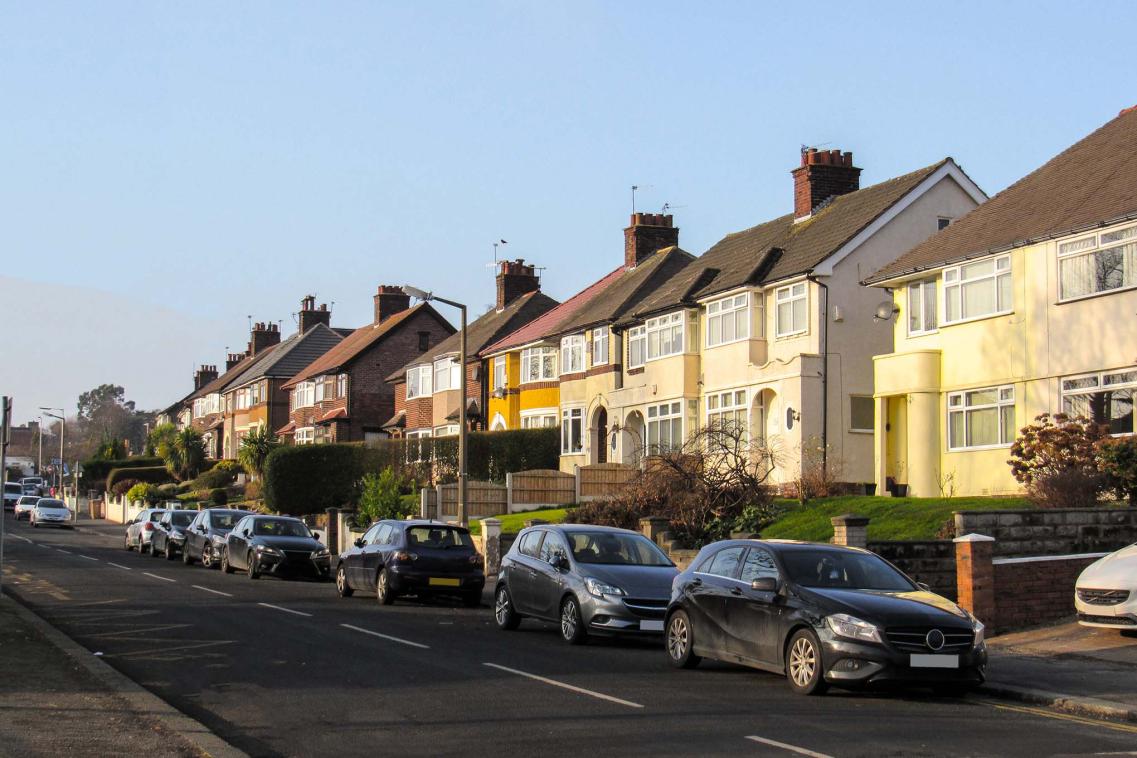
[288, 668]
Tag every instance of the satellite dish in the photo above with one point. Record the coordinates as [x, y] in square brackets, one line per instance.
[886, 310]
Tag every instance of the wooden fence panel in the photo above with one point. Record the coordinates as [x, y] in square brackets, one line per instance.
[538, 488]
[604, 479]
[483, 499]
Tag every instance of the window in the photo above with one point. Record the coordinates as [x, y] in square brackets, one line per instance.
[791, 316]
[1099, 263]
[572, 354]
[499, 373]
[418, 445]
[981, 418]
[664, 336]
[724, 563]
[728, 409]
[319, 390]
[539, 420]
[978, 289]
[538, 364]
[552, 548]
[572, 431]
[423, 341]
[304, 394]
[305, 435]
[418, 381]
[861, 413]
[530, 542]
[759, 564]
[728, 320]
[922, 307]
[1105, 398]
[943, 222]
[341, 385]
[664, 427]
[599, 346]
[450, 430]
[446, 375]
[637, 346]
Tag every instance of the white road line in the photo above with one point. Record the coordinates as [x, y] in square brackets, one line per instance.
[573, 688]
[400, 640]
[207, 589]
[18, 537]
[118, 565]
[791, 748]
[88, 557]
[65, 552]
[286, 610]
[43, 545]
[164, 579]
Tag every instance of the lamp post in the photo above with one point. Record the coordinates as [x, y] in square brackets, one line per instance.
[426, 297]
[62, 426]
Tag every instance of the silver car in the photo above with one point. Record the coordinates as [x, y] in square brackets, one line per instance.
[141, 529]
[51, 512]
[25, 505]
[588, 579]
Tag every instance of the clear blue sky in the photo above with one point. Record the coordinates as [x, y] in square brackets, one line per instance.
[224, 159]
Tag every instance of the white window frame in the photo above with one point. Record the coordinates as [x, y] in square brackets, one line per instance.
[420, 381]
[929, 311]
[305, 435]
[657, 416]
[446, 430]
[541, 358]
[637, 342]
[954, 282]
[303, 392]
[318, 396]
[341, 385]
[1094, 245]
[729, 405]
[446, 376]
[872, 424]
[957, 403]
[572, 440]
[600, 346]
[417, 435]
[1102, 385]
[499, 375]
[572, 354]
[666, 336]
[539, 418]
[790, 295]
[733, 310]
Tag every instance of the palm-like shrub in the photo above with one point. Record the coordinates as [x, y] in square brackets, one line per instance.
[254, 450]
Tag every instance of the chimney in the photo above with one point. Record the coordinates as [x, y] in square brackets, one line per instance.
[232, 360]
[204, 376]
[823, 174]
[648, 233]
[264, 336]
[515, 279]
[310, 315]
[389, 300]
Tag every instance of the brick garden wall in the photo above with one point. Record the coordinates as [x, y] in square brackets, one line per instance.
[1035, 591]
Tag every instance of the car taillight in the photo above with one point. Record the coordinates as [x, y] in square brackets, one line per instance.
[147, 526]
[404, 557]
[475, 559]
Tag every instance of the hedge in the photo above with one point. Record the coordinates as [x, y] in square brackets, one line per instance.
[306, 479]
[148, 474]
[96, 471]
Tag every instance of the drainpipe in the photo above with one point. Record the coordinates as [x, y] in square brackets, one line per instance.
[824, 377]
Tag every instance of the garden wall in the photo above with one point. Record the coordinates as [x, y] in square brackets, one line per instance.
[1052, 532]
[931, 562]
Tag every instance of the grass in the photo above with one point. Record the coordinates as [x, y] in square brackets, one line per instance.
[512, 523]
[891, 518]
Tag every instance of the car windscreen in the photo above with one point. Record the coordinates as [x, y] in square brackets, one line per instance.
[438, 537]
[13, 488]
[613, 549]
[182, 518]
[155, 515]
[28, 500]
[224, 520]
[280, 527]
[46, 503]
[831, 569]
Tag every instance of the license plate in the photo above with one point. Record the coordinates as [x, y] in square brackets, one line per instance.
[437, 581]
[934, 661]
[652, 625]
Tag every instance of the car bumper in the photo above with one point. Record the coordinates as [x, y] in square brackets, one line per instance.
[435, 582]
[53, 521]
[1112, 616]
[855, 664]
[618, 615]
[292, 566]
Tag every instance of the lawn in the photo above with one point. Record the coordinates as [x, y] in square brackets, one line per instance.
[891, 518]
[512, 523]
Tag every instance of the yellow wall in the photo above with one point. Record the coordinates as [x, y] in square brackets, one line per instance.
[518, 397]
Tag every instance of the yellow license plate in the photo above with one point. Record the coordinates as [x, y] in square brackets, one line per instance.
[436, 581]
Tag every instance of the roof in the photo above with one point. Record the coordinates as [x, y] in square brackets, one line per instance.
[487, 328]
[398, 421]
[1088, 184]
[783, 248]
[220, 382]
[359, 341]
[291, 355]
[545, 325]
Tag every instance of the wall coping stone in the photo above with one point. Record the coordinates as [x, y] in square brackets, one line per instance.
[1040, 558]
[974, 538]
[849, 519]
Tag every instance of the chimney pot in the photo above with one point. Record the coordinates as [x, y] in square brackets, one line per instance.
[823, 175]
[514, 279]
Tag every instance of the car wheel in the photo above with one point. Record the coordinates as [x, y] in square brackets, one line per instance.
[207, 557]
[681, 641]
[169, 552]
[187, 559]
[804, 667]
[572, 626]
[1129, 632]
[126, 543]
[504, 614]
[153, 549]
[383, 588]
[252, 570]
[342, 586]
[225, 567]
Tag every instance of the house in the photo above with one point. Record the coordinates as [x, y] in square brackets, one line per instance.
[343, 395]
[427, 389]
[1024, 306]
[770, 328]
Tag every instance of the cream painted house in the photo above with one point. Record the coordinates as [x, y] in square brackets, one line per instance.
[1026, 306]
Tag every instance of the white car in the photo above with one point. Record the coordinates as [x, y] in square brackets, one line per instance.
[1105, 595]
[25, 505]
[51, 512]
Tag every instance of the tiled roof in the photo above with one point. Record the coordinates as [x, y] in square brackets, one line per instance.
[1089, 183]
[290, 355]
[219, 383]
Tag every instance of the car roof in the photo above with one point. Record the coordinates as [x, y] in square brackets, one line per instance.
[787, 546]
[264, 516]
[425, 522]
[50, 501]
[596, 528]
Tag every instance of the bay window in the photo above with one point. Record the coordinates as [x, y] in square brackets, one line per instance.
[922, 307]
[1104, 398]
[538, 364]
[572, 354]
[450, 430]
[975, 290]
[305, 435]
[319, 390]
[981, 418]
[1098, 263]
[341, 385]
[539, 419]
[664, 427]
[728, 410]
[418, 381]
[572, 431]
[637, 346]
[728, 320]
[664, 336]
[418, 446]
[446, 375]
[791, 315]
[304, 392]
[599, 346]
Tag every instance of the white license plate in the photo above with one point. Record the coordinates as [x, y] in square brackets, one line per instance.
[934, 661]
[652, 625]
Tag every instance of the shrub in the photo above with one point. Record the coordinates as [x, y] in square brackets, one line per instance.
[307, 479]
[1055, 458]
[380, 498]
[150, 474]
[123, 486]
[227, 465]
[95, 472]
[252, 490]
[1117, 459]
[185, 455]
[255, 449]
[218, 496]
[147, 493]
[218, 476]
[821, 472]
[1072, 488]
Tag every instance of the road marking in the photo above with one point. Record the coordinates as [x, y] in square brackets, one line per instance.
[1045, 713]
[88, 557]
[573, 688]
[207, 589]
[118, 565]
[18, 537]
[286, 610]
[400, 640]
[164, 579]
[785, 746]
[65, 552]
[43, 545]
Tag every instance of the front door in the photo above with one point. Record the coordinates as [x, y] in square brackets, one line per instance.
[602, 436]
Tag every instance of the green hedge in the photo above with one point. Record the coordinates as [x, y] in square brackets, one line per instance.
[147, 474]
[95, 472]
[305, 479]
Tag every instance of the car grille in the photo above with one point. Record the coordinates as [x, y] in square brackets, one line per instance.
[647, 608]
[1112, 620]
[913, 639]
[1103, 597]
[298, 556]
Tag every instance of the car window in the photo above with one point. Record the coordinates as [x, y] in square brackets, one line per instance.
[616, 549]
[759, 564]
[530, 542]
[844, 570]
[371, 535]
[155, 515]
[224, 520]
[279, 527]
[725, 562]
[438, 537]
[241, 525]
[552, 547]
[181, 518]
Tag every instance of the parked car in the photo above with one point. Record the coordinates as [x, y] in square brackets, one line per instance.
[206, 536]
[1105, 594]
[822, 615]
[279, 545]
[24, 507]
[141, 529]
[12, 492]
[421, 558]
[33, 485]
[589, 579]
[50, 512]
[168, 536]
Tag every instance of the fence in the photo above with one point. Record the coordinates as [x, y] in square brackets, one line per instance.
[539, 488]
[602, 480]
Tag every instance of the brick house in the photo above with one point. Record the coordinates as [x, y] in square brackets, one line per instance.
[343, 395]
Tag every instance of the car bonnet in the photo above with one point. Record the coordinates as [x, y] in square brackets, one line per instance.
[635, 581]
[890, 608]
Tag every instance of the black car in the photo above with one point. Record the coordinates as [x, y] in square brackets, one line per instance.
[419, 558]
[206, 536]
[278, 545]
[822, 615]
[169, 535]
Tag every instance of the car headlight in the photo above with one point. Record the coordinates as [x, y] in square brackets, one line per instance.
[844, 625]
[600, 589]
[323, 553]
[266, 550]
[978, 628]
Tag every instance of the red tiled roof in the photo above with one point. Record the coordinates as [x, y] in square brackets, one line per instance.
[333, 414]
[287, 428]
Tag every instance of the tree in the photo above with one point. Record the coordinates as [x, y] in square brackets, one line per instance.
[1117, 459]
[161, 440]
[380, 498]
[105, 414]
[186, 454]
[254, 450]
[1056, 458]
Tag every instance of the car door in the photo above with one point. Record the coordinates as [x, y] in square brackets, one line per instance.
[524, 570]
[238, 543]
[161, 532]
[547, 582]
[196, 535]
[707, 593]
[753, 616]
[356, 557]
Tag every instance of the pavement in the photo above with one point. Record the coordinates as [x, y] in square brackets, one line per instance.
[282, 668]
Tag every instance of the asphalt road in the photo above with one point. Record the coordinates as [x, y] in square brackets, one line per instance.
[288, 668]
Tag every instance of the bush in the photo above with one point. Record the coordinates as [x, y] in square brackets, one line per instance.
[1055, 458]
[123, 486]
[252, 490]
[1072, 488]
[143, 491]
[218, 476]
[380, 498]
[150, 474]
[218, 496]
[306, 479]
[1117, 459]
[95, 472]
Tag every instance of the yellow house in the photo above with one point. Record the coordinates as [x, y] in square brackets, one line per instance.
[1025, 306]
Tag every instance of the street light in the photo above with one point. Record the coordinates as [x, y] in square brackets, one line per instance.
[62, 426]
[427, 297]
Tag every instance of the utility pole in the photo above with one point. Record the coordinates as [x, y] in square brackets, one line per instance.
[5, 421]
[39, 463]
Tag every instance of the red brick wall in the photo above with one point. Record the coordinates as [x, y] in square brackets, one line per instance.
[420, 413]
[1036, 591]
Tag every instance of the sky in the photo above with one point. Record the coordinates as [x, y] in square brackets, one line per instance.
[169, 170]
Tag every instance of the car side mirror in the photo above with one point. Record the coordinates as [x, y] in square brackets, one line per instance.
[765, 584]
[359, 542]
[561, 563]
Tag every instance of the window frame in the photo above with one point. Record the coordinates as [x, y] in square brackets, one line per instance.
[500, 377]
[451, 368]
[872, 406]
[545, 414]
[1101, 387]
[1098, 246]
[341, 385]
[637, 337]
[600, 339]
[924, 286]
[719, 311]
[417, 376]
[664, 413]
[790, 299]
[673, 326]
[305, 435]
[536, 356]
[999, 404]
[568, 417]
[717, 408]
[572, 345]
[952, 278]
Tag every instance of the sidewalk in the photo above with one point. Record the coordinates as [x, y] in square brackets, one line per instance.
[1069, 667]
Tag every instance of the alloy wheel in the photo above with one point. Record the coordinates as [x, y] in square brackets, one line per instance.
[803, 661]
[568, 619]
[207, 557]
[678, 638]
[501, 607]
